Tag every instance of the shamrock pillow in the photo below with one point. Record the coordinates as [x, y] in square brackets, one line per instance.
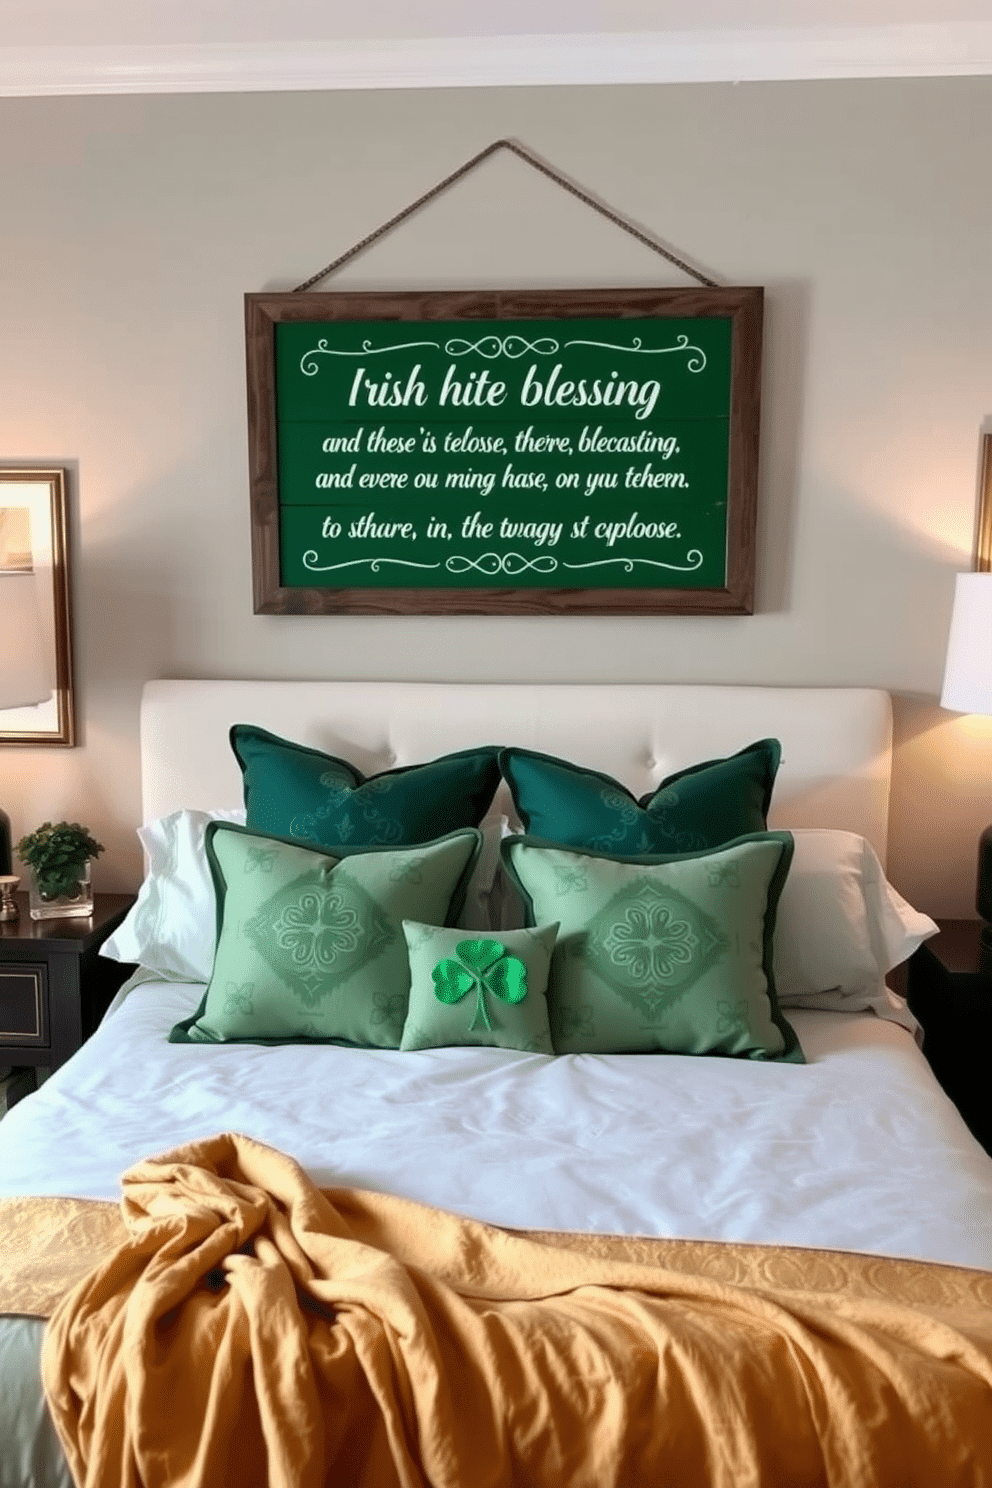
[478, 989]
[310, 945]
[661, 953]
[699, 807]
[291, 790]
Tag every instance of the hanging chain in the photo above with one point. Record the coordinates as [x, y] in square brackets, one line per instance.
[463, 170]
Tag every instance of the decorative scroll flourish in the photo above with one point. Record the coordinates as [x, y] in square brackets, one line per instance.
[310, 561]
[500, 563]
[696, 362]
[694, 556]
[310, 367]
[491, 347]
[496, 563]
[512, 346]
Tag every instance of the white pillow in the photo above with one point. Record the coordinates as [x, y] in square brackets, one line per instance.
[171, 928]
[841, 927]
[479, 911]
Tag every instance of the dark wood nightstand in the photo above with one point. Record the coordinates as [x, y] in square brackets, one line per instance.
[54, 987]
[952, 997]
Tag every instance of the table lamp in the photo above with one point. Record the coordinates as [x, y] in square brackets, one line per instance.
[968, 689]
[24, 678]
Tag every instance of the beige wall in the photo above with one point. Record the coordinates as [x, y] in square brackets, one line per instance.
[131, 227]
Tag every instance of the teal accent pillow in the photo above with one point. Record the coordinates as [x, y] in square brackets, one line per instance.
[310, 946]
[661, 953]
[291, 790]
[478, 988]
[699, 807]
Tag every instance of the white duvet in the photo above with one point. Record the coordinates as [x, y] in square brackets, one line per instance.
[858, 1149]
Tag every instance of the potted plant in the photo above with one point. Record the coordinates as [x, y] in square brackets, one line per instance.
[59, 859]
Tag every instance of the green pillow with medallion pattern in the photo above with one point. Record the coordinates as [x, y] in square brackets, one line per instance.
[310, 945]
[664, 953]
[291, 790]
[702, 806]
[484, 988]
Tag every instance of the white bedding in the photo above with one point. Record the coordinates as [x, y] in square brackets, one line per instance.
[859, 1149]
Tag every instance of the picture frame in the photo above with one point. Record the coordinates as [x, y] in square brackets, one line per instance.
[322, 369]
[35, 503]
[983, 533]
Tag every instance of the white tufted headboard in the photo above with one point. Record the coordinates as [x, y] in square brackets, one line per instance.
[836, 742]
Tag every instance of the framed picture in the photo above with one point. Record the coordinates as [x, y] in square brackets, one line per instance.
[517, 452]
[34, 537]
[983, 536]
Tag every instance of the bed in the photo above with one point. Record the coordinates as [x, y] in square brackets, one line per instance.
[812, 1169]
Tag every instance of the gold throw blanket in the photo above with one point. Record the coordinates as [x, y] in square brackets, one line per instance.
[248, 1328]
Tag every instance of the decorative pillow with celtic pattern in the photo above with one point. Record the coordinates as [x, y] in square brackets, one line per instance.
[484, 988]
[703, 806]
[310, 946]
[295, 791]
[669, 953]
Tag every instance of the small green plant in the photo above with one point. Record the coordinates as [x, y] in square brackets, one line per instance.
[57, 856]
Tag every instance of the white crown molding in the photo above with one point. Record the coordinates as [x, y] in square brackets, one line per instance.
[930, 50]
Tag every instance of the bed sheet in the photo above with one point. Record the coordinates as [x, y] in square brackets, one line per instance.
[858, 1149]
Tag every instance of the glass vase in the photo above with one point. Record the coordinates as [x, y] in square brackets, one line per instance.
[76, 902]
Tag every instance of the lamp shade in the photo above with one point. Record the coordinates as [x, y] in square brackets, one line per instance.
[968, 670]
[24, 678]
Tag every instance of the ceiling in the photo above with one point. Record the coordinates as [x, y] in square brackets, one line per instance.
[128, 46]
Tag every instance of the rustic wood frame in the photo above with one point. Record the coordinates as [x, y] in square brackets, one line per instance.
[744, 306]
[59, 727]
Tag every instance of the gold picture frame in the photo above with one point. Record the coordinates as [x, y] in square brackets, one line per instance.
[35, 504]
[983, 541]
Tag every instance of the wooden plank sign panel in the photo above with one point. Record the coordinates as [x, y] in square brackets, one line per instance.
[500, 453]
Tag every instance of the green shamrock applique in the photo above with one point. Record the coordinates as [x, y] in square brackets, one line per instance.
[483, 966]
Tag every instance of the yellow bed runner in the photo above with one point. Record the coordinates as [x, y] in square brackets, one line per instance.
[231, 1324]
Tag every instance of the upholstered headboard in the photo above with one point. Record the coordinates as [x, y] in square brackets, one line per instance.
[836, 742]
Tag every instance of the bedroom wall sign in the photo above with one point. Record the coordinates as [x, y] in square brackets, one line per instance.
[488, 452]
[34, 537]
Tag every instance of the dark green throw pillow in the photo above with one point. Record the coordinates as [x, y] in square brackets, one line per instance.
[699, 807]
[670, 954]
[291, 790]
[310, 945]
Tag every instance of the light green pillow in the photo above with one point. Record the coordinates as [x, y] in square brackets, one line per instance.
[479, 988]
[310, 946]
[657, 953]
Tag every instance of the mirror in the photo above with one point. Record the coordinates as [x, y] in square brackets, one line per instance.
[34, 533]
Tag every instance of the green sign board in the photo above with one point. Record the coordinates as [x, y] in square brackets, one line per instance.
[453, 461]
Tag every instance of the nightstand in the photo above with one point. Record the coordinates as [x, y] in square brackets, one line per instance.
[54, 987]
[952, 998]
